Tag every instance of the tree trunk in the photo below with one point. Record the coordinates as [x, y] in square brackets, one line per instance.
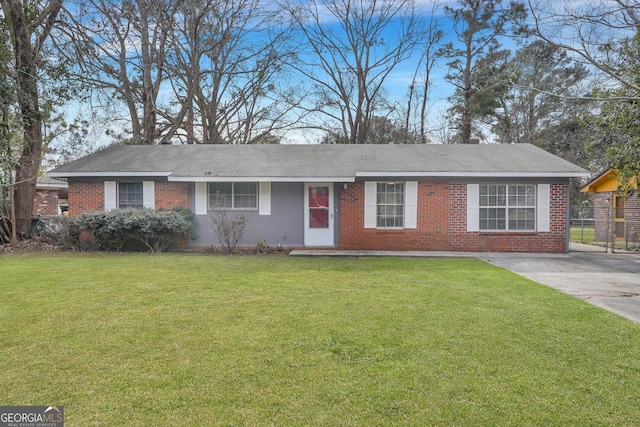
[25, 187]
[425, 98]
[28, 36]
[29, 162]
[26, 176]
[466, 119]
[12, 217]
[465, 131]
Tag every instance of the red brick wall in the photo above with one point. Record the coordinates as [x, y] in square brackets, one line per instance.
[85, 197]
[45, 202]
[432, 232]
[172, 194]
[442, 224]
[632, 217]
[552, 241]
[89, 196]
[604, 213]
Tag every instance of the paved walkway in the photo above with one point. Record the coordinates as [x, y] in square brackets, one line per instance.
[609, 281]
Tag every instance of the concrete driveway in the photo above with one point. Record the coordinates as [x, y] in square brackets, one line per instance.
[609, 281]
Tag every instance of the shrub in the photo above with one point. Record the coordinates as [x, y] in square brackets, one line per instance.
[62, 231]
[156, 230]
[229, 230]
[108, 228]
[262, 247]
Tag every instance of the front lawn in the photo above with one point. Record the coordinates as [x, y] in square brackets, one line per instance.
[139, 340]
[582, 234]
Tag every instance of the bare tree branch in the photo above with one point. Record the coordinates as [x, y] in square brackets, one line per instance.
[594, 33]
[352, 47]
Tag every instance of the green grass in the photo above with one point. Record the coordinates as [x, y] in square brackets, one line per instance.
[586, 234]
[142, 340]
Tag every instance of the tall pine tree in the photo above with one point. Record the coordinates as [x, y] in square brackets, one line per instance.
[478, 26]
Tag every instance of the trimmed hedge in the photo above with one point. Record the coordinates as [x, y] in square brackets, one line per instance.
[154, 230]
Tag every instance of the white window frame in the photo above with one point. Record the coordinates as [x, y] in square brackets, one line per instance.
[233, 195]
[120, 190]
[511, 202]
[112, 192]
[410, 220]
[201, 198]
[542, 209]
[383, 207]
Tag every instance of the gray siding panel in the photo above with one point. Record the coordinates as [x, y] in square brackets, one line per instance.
[285, 225]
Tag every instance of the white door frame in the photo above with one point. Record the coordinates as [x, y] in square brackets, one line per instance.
[319, 236]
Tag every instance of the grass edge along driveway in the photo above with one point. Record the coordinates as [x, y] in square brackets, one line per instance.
[172, 339]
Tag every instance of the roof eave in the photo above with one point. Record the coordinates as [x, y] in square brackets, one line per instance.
[592, 185]
[43, 185]
[105, 174]
[475, 174]
[261, 179]
[172, 177]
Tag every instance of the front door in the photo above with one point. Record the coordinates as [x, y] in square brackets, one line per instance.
[318, 214]
[620, 226]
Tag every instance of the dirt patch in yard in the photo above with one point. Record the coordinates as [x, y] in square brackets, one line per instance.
[28, 246]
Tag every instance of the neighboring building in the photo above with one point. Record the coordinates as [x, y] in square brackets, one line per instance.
[614, 213]
[51, 197]
[503, 198]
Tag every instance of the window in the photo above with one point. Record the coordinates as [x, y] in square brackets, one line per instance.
[390, 205]
[233, 195]
[319, 206]
[507, 207]
[130, 195]
[121, 195]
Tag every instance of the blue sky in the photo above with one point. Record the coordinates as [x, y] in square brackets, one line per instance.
[396, 84]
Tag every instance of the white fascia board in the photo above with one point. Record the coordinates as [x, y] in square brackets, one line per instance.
[259, 179]
[49, 185]
[473, 174]
[105, 174]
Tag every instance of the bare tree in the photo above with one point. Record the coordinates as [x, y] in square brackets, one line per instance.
[348, 49]
[120, 48]
[604, 35]
[199, 70]
[540, 93]
[421, 81]
[228, 66]
[598, 33]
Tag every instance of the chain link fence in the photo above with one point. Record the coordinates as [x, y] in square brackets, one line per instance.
[606, 229]
[34, 226]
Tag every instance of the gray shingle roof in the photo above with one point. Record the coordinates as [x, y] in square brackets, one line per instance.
[48, 182]
[329, 162]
